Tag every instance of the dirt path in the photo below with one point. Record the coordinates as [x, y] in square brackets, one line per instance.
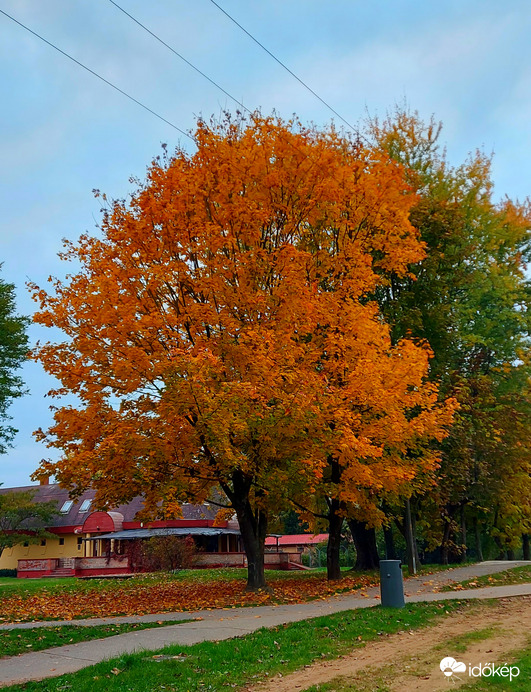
[410, 660]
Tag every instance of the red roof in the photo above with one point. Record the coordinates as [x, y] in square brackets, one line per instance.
[298, 539]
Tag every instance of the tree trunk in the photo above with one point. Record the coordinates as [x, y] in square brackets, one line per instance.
[365, 543]
[501, 555]
[253, 528]
[444, 543]
[463, 534]
[525, 546]
[477, 532]
[335, 523]
[410, 540]
[415, 543]
[390, 549]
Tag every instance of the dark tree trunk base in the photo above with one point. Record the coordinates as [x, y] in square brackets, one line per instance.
[525, 546]
[367, 557]
[253, 528]
[333, 568]
[390, 549]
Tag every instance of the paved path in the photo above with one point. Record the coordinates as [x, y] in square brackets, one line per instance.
[224, 624]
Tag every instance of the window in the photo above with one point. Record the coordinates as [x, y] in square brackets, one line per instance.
[79, 543]
[61, 541]
[43, 541]
[26, 544]
[85, 505]
[67, 507]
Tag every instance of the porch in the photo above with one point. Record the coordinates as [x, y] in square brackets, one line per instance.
[115, 565]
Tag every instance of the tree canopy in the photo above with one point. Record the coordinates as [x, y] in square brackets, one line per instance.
[221, 332]
[469, 298]
[13, 352]
[22, 520]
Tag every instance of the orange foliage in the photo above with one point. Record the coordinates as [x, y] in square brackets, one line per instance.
[219, 331]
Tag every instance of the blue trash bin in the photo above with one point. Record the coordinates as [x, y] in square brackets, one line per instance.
[391, 584]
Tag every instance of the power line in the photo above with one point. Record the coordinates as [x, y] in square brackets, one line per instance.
[92, 72]
[214, 83]
[354, 129]
[218, 86]
[143, 26]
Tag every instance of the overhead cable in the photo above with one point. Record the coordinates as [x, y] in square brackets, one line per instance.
[92, 72]
[306, 86]
[218, 86]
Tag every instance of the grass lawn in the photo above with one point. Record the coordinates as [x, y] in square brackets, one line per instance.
[235, 662]
[24, 600]
[516, 575]
[21, 600]
[12, 586]
[14, 642]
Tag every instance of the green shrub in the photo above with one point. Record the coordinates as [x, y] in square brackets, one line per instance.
[8, 572]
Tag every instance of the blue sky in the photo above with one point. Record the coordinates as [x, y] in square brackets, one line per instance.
[64, 133]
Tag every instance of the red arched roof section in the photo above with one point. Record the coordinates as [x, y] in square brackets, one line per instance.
[103, 522]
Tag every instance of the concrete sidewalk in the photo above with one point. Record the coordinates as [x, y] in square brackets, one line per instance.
[224, 624]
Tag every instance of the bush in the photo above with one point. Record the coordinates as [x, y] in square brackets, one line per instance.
[169, 553]
[8, 572]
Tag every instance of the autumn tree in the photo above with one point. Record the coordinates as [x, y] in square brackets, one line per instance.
[22, 520]
[383, 419]
[13, 352]
[469, 299]
[218, 328]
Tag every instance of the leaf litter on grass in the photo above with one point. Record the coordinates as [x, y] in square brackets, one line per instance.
[172, 596]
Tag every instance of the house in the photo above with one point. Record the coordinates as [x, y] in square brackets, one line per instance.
[296, 543]
[90, 542]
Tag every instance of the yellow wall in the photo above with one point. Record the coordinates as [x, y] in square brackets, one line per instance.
[52, 549]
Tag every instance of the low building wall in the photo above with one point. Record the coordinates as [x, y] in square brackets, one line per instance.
[98, 566]
[66, 545]
[271, 560]
[76, 567]
[33, 569]
[119, 564]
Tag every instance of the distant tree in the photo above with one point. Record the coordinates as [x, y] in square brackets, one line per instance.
[13, 351]
[291, 523]
[22, 520]
[469, 299]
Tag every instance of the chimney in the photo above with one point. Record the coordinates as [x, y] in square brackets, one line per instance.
[45, 480]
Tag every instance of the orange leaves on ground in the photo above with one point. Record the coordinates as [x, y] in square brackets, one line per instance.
[170, 596]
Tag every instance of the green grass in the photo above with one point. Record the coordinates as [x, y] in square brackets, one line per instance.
[522, 683]
[21, 641]
[516, 575]
[248, 659]
[461, 643]
[375, 683]
[10, 586]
